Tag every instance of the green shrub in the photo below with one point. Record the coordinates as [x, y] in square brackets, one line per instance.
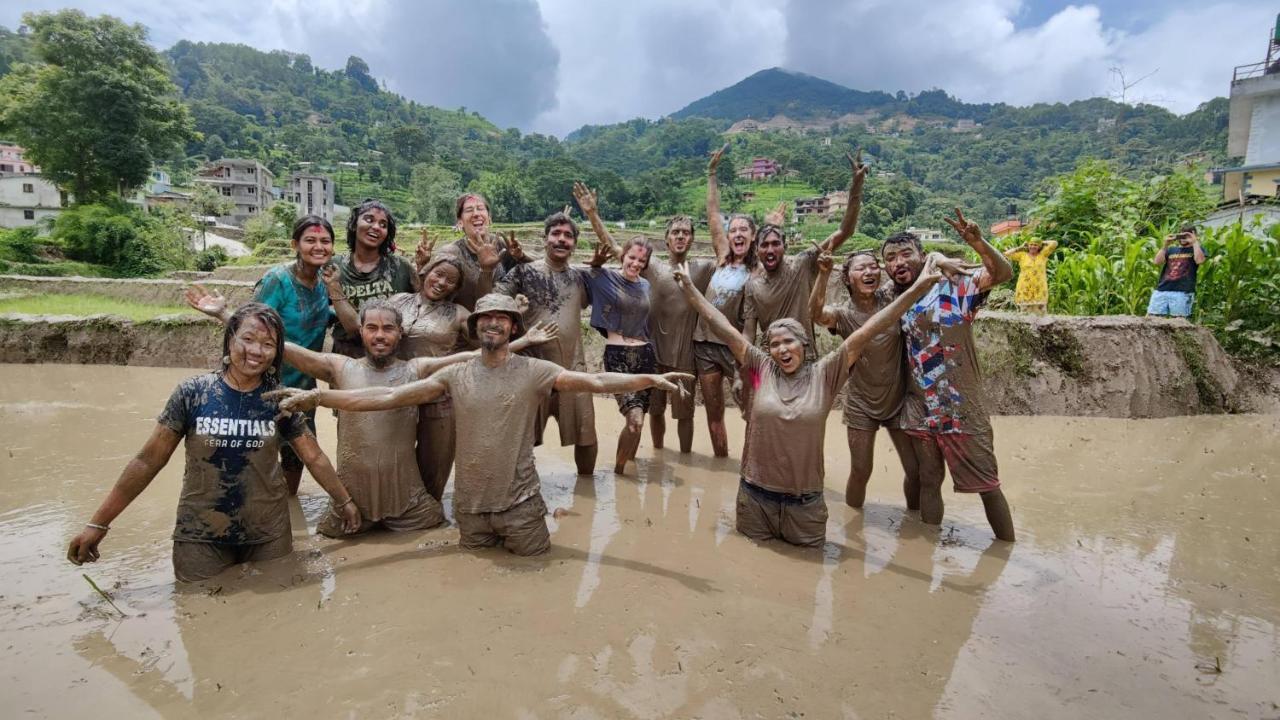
[20, 245]
[123, 238]
[208, 260]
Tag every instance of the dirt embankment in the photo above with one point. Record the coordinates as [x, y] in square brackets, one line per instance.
[170, 341]
[145, 291]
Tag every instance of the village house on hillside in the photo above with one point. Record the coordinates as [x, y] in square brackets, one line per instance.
[11, 160]
[26, 197]
[247, 182]
[828, 207]
[312, 193]
[761, 168]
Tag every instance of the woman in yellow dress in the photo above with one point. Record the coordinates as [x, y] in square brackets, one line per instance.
[1032, 292]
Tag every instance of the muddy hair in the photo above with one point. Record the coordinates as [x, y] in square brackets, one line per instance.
[750, 260]
[771, 229]
[389, 242]
[307, 222]
[462, 201]
[790, 325]
[636, 241]
[674, 220]
[559, 218]
[381, 304]
[268, 316]
[902, 238]
[848, 263]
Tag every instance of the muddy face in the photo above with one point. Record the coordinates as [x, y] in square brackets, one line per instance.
[253, 348]
[864, 276]
[740, 233]
[770, 251]
[494, 330]
[634, 262]
[559, 243]
[441, 282]
[380, 334]
[371, 229]
[315, 248]
[474, 218]
[903, 262]
[679, 238]
[786, 350]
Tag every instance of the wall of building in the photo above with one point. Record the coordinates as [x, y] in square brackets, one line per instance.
[44, 200]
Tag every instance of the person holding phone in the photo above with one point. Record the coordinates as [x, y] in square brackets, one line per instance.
[1179, 259]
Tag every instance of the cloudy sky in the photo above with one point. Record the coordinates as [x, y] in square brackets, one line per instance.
[553, 65]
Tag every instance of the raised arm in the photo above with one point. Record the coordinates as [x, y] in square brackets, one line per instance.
[719, 240]
[818, 295]
[362, 400]
[1049, 247]
[586, 198]
[719, 324]
[609, 382]
[135, 478]
[1197, 252]
[338, 298]
[851, 212]
[998, 269]
[426, 366]
[853, 345]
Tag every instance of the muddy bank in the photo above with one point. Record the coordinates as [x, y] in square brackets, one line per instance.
[169, 341]
[145, 291]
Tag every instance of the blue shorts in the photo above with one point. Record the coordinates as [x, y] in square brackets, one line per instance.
[1170, 302]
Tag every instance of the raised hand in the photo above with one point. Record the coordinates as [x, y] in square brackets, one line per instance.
[601, 254]
[586, 198]
[778, 215]
[426, 246]
[522, 303]
[856, 165]
[952, 268]
[715, 159]
[513, 247]
[487, 254]
[826, 260]
[680, 273]
[84, 547]
[966, 229]
[292, 400]
[930, 273]
[332, 282]
[542, 332]
[671, 382]
[209, 303]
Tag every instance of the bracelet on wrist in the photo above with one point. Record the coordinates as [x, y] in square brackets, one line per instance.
[341, 505]
[340, 298]
[96, 526]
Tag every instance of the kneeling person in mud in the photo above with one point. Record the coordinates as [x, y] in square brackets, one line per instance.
[780, 492]
[497, 498]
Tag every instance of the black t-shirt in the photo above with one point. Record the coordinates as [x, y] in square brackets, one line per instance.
[1179, 274]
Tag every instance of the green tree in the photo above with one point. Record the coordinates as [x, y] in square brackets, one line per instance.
[99, 111]
[208, 202]
[434, 190]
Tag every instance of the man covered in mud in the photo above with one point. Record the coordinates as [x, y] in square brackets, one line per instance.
[497, 498]
[558, 293]
[376, 458]
[671, 320]
[945, 409]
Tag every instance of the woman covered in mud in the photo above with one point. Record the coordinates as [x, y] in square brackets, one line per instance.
[370, 268]
[308, 295]
[780, 492]
[620, 312]
[735, 261]
[233, 507]
[482, 255]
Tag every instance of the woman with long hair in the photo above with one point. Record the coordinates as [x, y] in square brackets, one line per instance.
[370, 268]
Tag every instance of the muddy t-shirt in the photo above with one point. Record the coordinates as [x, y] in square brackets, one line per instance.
[469, 285]
[784, 439]
[495, 411]
[878, 380]
[555, 296]
[672, 319]
[233, 491]
[782, 294]
[376, 459]
[1180, 268]
[725, 291]
[305, 311]
[617, 304]
[392, 275]
[432, 328]
[944, 387]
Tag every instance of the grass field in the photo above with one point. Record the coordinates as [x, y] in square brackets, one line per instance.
[767, 195]
[86, 305]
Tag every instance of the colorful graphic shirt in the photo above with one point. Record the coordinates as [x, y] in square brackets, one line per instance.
[944, 392]
[233, 491]
[305, 311]
[1180, 268]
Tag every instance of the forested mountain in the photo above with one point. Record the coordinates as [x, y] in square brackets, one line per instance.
[279, 108]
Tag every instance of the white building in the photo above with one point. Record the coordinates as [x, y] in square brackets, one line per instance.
[927, 235]
[247, 182]
[27, 199]
[312, 193]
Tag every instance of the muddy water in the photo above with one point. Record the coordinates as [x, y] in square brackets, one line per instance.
[1145, 584]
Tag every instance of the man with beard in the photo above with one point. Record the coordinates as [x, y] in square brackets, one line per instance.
[557, 293]
[945, 408]
[782, 289]
[497, 498]
[376, 458]
[671, 320]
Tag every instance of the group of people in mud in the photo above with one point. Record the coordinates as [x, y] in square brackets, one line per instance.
[454, 362]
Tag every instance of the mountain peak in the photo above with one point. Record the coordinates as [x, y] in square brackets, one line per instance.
[779, 91]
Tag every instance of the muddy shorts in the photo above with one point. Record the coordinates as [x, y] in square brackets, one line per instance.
[424, 512]
[521, 528]
[196, 561]
[631, 360]
[765, 515]
[289, 459]
[971, 458]
[714, 357]
[681, 404]
[857, 418]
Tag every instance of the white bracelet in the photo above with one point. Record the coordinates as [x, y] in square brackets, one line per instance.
[96, 526]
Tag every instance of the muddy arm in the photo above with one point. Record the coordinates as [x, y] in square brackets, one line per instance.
[321, 366]
[586, 198]
[361, 400]
[719, 241]
[609, 382]
[998, 269]
[818, 295]
[854, 209]
[135, 478]
[321, 469]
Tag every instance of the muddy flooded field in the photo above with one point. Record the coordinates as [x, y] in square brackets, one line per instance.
[1145, 583]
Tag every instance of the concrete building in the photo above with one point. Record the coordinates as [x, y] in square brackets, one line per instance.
[247, 182]
[312, 193]
[1254, 128]
[27, 199]
[760, 169]
[812, 208]
[927, 235]
[11, 160]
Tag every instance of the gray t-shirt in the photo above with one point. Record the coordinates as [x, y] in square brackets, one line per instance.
[392, 275]
[783, 294]
[672, 320]
[878, 380]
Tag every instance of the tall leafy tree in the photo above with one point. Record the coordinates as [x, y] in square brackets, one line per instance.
[434, 189]
[99, 110]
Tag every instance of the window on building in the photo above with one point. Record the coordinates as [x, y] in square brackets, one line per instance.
[308, 186]
[226, 191]
[253, 190]
[28, 188]
[6, 168]
[310, 201]
[250, 170]
[28, 214]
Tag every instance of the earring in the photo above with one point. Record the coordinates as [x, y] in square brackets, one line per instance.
[271, 371]
[226, 360]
